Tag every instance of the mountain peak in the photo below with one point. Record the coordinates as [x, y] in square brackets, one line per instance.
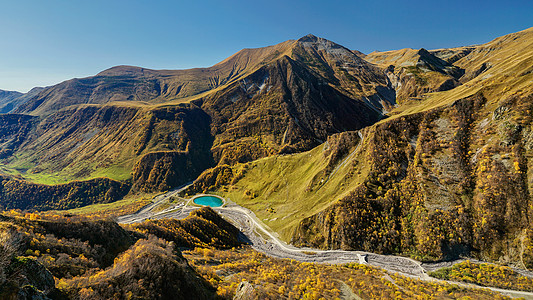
[318, 43]
[308, 38]
[123, 70]
[423, 52]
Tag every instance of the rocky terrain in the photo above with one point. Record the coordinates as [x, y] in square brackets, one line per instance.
[444, 176]
[260, 102]
[422, 153]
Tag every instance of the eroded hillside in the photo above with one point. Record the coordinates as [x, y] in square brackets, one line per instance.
[444, 176]
[155, 130]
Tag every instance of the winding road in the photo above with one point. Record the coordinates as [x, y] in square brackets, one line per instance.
[263, 240]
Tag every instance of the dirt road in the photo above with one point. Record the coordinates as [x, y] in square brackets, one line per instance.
[263, 240]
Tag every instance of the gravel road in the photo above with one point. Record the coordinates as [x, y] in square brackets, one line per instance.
[263, 240]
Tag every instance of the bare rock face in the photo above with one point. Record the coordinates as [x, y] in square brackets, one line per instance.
[245, 291]
[37, 275]
[27, 279]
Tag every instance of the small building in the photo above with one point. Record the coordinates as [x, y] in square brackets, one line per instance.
[362, 258]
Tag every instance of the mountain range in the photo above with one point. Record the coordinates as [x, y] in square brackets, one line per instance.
[412, 151]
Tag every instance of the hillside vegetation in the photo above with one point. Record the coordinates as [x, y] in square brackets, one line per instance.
[155, 130]
[20, 194]
[416, 152]
[446, 175]
[251, 275]
[75, 257]
[430, 186]
[485, 275]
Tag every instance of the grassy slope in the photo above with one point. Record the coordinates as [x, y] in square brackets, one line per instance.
[277, 188]
[281, 182]
[403, 58]
[511, 74]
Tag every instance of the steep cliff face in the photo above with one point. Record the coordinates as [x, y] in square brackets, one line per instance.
[437, 188]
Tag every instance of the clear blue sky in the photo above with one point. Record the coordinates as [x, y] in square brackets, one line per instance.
[46, 42]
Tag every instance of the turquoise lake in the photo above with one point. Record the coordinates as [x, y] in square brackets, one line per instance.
[208, 201]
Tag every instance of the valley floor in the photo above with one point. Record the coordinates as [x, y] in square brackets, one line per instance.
[261, 239]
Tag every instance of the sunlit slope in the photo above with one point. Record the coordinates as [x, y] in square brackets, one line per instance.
[337, 65]
[451, 181]
[416, 72]
[135, 84]
[105, 141]
[133, 123]
[283, 190]
[444, 176]
[346, 71]
[500, 69]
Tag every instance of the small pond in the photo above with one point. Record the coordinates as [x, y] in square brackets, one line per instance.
[207, 200]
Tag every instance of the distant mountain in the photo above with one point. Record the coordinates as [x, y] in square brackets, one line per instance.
[416, 72]
[259, 102]
[332, 63]
[9, 95]
[9, 100]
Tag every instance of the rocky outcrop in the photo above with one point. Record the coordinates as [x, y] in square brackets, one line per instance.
[245, 291]
[28, 279]
[413, 73]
